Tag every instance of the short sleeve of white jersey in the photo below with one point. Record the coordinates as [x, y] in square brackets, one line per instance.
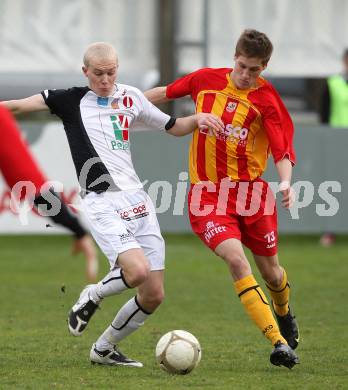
[150, 115]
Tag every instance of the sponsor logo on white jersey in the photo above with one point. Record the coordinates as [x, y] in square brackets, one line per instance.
[127, 101]
[102, 101]
[126, 237]
[120, 124]
[136, 211]
[114, 104]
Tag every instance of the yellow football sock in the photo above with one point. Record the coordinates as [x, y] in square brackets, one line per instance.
[280, 296]
[256, 305]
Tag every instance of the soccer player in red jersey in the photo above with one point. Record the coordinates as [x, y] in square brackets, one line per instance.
[17, 164]
[229, 204]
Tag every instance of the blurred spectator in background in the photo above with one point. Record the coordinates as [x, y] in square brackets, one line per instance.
[17, 164]
[334, 112]
[334, 102]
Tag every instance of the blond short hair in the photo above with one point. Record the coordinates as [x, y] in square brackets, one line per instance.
[99, 50]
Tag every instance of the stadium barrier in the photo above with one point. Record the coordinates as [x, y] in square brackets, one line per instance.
[320, 179]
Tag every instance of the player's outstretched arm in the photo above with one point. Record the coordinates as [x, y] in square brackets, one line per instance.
[284, 168]
[187, 125]
[27, 105]
[157, 95]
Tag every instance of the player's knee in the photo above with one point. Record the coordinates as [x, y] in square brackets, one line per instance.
[135, 267]
[236, 261]
[238, 265]
[137, 274]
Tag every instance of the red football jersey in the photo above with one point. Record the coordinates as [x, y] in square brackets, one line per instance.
[256, 124]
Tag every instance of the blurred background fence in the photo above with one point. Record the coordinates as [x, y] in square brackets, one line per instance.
[320, 178]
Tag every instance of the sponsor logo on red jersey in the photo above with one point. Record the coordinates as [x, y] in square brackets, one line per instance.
[231, 106]
[234, 134]
[212, 230]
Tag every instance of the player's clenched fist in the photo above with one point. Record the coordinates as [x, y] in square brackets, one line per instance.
[211, 121]
[289, 194]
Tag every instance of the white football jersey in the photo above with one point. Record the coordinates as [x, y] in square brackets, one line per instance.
[98, 131]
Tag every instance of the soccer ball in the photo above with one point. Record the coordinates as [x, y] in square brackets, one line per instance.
[178, 352]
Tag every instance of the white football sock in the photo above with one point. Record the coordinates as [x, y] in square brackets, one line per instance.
[112, 284]
[129, 318]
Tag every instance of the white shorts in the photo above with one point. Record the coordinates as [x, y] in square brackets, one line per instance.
[124, 220]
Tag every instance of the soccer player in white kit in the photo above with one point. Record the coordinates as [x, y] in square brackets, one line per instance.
[97, 121]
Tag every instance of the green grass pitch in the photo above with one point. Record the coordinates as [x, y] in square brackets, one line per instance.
[38, 353]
